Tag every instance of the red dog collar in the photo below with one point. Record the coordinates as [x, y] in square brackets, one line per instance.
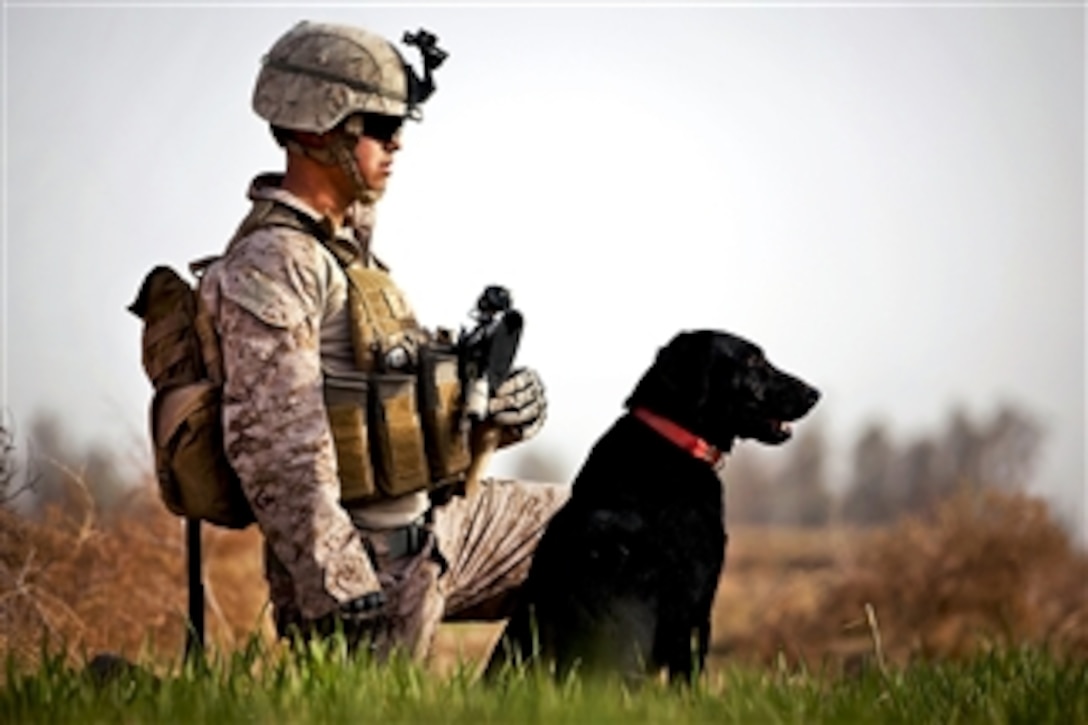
[682, 437]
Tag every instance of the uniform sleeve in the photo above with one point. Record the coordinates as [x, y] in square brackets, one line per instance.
[271, 296]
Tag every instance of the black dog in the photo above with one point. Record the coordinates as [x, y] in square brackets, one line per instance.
[624, 578]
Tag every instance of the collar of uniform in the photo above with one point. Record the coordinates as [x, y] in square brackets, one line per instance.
[269, 187]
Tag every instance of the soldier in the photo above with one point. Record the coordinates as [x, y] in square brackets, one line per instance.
[298, 301]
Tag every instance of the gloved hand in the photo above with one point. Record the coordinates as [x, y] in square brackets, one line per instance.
[363, 609]
[518, 406]
[360, 620]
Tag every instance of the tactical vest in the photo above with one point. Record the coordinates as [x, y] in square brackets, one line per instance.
[396, 420]
[396, 428]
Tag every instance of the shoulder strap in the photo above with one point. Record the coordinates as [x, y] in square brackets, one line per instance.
[268, 212]
[360, 277]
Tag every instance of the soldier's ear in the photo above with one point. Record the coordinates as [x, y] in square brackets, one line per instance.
[286, 136]
[312, 140]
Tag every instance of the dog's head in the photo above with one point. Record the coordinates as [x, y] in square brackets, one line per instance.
[721, 387]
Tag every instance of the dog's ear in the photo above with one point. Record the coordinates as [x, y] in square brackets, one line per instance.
[677, 384]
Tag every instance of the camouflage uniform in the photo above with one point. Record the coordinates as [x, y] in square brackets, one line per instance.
[279, 300]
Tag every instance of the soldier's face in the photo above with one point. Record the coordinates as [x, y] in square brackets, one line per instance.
[374, 151]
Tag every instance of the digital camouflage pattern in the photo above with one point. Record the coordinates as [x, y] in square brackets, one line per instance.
[279, 301]
[477, 553]
[271, 296]
[318, 74]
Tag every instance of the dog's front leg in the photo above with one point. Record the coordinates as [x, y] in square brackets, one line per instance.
[678, 650]
[703, 643]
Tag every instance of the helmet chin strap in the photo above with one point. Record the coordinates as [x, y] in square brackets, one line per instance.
[344, 141]
[341, 152]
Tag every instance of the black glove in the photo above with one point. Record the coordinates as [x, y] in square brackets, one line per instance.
[365, 608]
[360, 620]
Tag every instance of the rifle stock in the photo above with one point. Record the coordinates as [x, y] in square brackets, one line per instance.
[484, 441]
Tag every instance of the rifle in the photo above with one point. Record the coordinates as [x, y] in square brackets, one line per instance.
[194, 632]
[485, 357]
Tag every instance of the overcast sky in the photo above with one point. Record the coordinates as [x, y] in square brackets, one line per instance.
[889, 199]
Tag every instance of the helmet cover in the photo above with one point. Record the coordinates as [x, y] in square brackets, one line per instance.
[318, 74]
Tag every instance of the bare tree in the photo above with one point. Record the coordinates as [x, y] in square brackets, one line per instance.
[918, 482]
[1012, 442]
[749, 497]
[967, 455]
[71, 475]
[801, 497]
[869, 496]
[10, 485]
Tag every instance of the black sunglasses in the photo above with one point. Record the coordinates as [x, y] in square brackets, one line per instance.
[381, 127]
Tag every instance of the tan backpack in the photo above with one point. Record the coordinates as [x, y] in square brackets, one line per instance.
[182, 360]
[394, 433]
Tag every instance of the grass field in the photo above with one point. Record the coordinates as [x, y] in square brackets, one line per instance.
[976, 613]
[321, 685]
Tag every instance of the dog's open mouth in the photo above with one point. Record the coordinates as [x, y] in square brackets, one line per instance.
[770, 431]
[779, 431]
[777, 427]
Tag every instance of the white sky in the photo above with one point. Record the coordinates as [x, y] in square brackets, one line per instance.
[889, 199]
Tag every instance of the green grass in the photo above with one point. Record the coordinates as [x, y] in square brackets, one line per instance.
[322, 685]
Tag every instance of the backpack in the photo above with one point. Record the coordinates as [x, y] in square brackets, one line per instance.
[393, 433]
[182, 360]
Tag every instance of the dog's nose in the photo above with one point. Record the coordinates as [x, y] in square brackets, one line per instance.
[812, 396]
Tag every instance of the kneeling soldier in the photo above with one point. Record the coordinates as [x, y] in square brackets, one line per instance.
[323, 356]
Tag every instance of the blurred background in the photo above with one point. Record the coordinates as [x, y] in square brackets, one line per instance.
[889, 199]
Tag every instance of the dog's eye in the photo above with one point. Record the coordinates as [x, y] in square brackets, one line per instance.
[754, 361]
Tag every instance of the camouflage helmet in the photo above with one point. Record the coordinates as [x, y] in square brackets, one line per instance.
[318, 74]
